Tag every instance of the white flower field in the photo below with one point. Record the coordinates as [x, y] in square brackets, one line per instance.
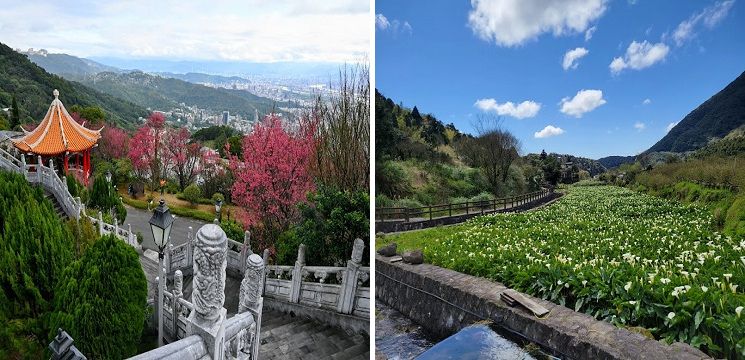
[620, 256]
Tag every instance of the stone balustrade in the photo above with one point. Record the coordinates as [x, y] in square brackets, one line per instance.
[180, 257]
[343, 290]
[46, 177]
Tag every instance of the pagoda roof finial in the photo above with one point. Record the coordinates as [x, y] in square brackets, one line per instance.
[56, 94]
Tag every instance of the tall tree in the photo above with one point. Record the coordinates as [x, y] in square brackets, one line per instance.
[493, 151]
[15, 115]
[272, 178]
[147, 151]
[185, 157]
[340, 127]
[114, 143]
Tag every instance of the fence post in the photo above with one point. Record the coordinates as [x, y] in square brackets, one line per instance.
[466, 207]
[348, 290]
[430, 212]
[297, 275]
[450, 209]
[100, 223]
[245, 250]
[38, 169]
[406, 213]
[190, 247]
[251, 300]
[265, 257]
[178, 293]
[167, 261]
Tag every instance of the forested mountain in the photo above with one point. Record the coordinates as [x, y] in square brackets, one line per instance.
[68, 66]
[402, 133]
[33, 87]
[611, 162]
[715, 118]
[161, 93]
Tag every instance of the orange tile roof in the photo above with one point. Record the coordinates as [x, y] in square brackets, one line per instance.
[57, 133]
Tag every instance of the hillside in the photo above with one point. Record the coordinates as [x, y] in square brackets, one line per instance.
[33, 88]
[161, 93]
[715, 118]
[610, 162]
[68, 66]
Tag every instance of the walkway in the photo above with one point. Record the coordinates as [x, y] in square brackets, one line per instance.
[140, 220]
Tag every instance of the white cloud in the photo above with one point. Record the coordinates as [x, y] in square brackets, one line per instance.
[548, 131]
[639, 56]
[513, 22]
[232, 30]
[640, 126]
[670, 126]
[382, 22]
[572, 56]
[394, 26]
[584, 102]
[710, 17]
[525, 109]
[646, 102]
[590, 32]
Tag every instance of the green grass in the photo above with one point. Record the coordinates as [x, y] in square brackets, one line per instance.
[417, 239]
[176, 210]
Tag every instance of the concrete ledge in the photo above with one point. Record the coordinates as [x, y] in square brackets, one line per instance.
[349, 323]
[444, 301]
[396, 226]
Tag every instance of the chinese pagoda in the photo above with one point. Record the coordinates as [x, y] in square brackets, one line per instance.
[60, 135]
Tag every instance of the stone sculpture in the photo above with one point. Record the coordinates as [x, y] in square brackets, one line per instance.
[210, 252]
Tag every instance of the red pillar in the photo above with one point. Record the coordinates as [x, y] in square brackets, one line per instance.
[86, 164]
[64, 161]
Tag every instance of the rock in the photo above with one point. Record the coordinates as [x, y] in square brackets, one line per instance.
[388, 250]
[413, 257]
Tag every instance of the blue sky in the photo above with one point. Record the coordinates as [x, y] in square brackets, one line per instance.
[557, 84]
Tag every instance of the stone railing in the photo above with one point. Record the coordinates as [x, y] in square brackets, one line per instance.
[343, 290]
[47, 177]
[180, 257]
[198, 328]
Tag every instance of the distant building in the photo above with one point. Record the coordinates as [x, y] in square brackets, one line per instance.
[225, 117]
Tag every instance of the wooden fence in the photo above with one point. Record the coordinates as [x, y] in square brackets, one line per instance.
[410, 214]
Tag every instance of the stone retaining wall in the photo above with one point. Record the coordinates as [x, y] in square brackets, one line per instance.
[444, 301]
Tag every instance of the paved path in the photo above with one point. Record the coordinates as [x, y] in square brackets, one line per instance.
[140, 220]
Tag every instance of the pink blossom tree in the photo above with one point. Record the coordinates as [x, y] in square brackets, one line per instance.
[272, 178]
[185, 156]
[114, 143]
[146, 149]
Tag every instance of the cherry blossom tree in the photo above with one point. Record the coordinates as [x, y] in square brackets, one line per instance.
[185, 156]
[146, 149]
[272, 178]
[114, 143]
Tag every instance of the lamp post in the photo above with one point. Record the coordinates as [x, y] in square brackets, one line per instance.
[218, 206]
[160, 224]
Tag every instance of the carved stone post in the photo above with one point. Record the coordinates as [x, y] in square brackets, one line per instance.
[116, 227]
[349, 281]
[131, 237]
[190, 247]
[81, 207]
[208, 296]
[251, 300]
[297, 275]
[167, 259]
[100, 223]
[246, 249]
[178, 293]
[23, 165]
[64, 183]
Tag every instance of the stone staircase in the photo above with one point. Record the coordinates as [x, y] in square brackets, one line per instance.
[285, 336]
[57, 207]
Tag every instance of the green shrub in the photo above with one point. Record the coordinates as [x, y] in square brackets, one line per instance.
[735, 221]
[408, 203]
[287, 246]
[484, 196]
[217, 197]
[100, 300]
[383, 201]
[35, 247]
[330, 225]
[391, 180]
[192, 194]
[104, 198]
[84, 233]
